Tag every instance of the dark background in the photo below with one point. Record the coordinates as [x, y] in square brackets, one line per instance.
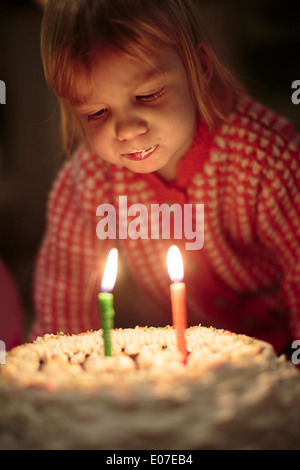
[258, 39]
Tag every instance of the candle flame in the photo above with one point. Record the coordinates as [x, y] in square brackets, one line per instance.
[175, 264]
[110, 271]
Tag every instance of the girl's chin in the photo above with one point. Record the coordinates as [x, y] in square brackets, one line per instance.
[141, 170]
[141, 166]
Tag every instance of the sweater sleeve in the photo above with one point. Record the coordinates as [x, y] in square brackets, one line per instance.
[278, 219]
[70, 259]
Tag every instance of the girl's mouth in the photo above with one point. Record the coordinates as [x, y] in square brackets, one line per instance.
[140, 154]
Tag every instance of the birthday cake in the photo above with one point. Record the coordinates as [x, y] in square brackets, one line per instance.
[232, 392]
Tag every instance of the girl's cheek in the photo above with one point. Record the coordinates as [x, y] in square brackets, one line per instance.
[100, 138]
[95, 132]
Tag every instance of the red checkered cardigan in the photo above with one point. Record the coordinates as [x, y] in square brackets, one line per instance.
[246, 278]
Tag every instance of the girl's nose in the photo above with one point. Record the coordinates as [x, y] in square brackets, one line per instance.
[130, 128]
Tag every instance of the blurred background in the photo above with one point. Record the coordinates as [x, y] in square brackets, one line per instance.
[259, 39]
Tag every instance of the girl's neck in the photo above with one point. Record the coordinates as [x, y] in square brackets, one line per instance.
[167, 173]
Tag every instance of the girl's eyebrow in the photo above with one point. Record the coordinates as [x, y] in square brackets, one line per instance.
[77, 102]
[146, 76]
[151, 74]
[141, 78]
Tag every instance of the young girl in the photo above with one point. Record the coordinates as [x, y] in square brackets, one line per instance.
[149, 112]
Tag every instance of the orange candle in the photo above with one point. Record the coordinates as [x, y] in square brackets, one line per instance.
[178, 297]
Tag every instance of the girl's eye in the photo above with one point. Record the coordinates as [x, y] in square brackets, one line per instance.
[98, 115]
[152, 97]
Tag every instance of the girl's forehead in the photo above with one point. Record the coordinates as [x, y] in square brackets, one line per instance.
[127, 69]
[138, 63]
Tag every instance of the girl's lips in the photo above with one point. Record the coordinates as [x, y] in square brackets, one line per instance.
[140, 154]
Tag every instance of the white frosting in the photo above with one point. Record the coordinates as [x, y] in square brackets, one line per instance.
[233, 392]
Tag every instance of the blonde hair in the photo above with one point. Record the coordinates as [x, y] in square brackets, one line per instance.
[72, 30]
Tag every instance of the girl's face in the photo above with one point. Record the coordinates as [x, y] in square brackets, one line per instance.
[139, 115]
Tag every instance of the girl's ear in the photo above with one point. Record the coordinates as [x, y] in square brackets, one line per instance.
[205, 60]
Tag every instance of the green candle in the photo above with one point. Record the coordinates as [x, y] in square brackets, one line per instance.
[106, 300]
[107, 319]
